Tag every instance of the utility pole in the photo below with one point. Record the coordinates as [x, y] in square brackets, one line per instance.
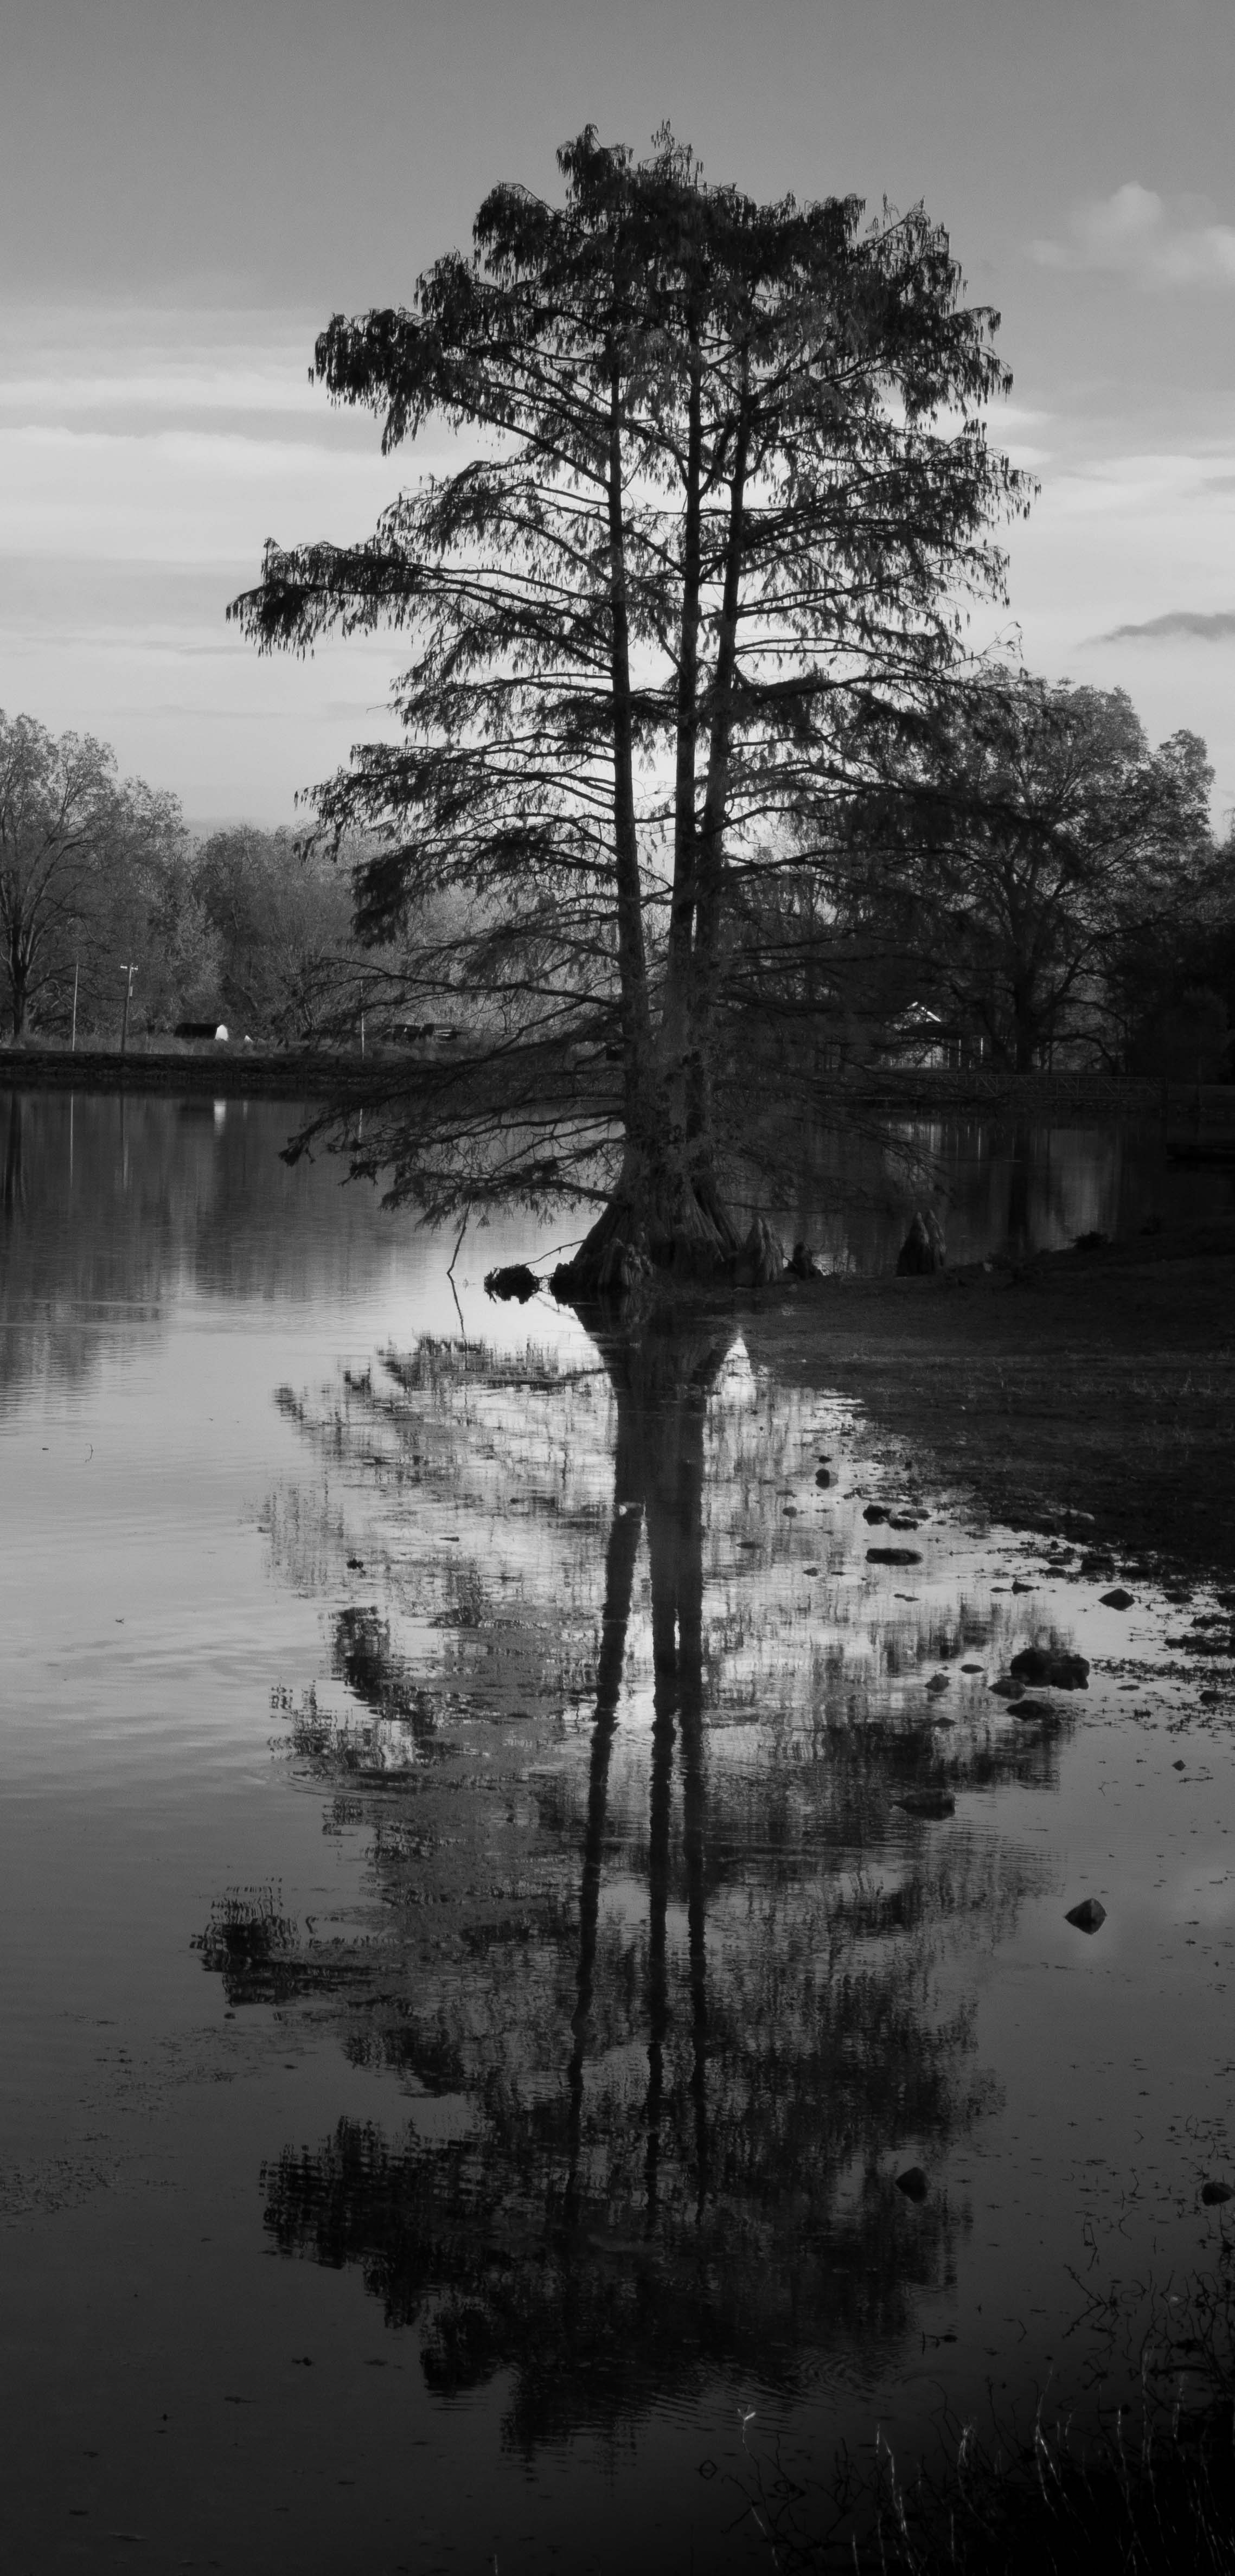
[130, 972]
[76, 973]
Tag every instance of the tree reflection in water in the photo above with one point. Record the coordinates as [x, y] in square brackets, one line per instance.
[667, 2071]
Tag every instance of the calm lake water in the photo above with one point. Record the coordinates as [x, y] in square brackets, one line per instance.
[499, 1882]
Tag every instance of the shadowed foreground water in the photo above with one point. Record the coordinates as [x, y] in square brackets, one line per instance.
[510, 1850]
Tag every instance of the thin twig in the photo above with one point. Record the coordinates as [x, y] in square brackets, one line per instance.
[458, 1247]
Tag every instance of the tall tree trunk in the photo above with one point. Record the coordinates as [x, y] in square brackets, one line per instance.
[666, 1210]
[632, 951]
[19, 981]
[650, 1214]
[711, 856]
[1025, 1029]
[674, 1032]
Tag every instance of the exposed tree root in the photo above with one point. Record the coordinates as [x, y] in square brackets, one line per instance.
[674, 1230]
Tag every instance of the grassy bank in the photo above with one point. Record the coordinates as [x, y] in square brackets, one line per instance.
[1139, 2484]
[1050, 1099]
[1055, 2506]
[220, 1072]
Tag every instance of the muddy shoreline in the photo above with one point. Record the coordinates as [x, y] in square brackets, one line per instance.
[1092, 1387]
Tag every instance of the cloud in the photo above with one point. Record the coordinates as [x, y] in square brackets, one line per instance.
[1188, 625]
[1133, 233]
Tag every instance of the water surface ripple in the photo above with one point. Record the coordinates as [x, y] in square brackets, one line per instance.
[514, 1855]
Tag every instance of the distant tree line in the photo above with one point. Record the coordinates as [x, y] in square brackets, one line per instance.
[1025, 883]
[98, 875]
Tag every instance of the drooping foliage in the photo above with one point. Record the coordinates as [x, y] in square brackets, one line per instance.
[722, 486]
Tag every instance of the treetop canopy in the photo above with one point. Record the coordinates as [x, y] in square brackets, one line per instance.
[728, 486]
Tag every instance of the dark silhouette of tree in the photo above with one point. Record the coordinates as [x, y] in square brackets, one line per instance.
[725, 481]
[1169, 978]
[1024, 855]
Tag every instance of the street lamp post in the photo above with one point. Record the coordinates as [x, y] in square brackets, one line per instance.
[129, 972]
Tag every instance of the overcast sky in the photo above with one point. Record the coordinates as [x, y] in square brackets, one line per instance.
[188, 188]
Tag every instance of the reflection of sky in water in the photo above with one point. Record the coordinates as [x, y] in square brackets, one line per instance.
[112, 1207]
[408, 1563]
[997, 1188]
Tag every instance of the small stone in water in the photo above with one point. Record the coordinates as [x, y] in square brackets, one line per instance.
[1118, 1599]
[874, 1512]
[1214, 2193]
[939, 1682]
[1088, 1916]
[973, 1668]
[1052, 1665]
[933, 1805]
[893, 1556]
[1006, 1688]
[913, 2183]
[1031, 1708]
